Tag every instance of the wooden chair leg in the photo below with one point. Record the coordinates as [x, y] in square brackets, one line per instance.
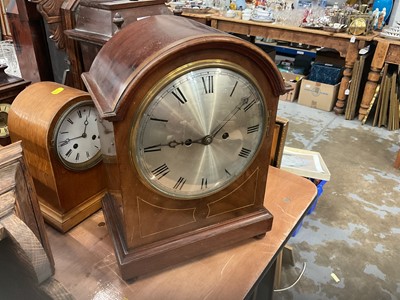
[278, 270]
[397, 161]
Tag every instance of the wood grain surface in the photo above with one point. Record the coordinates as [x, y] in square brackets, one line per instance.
[67, 197]
[86, 264]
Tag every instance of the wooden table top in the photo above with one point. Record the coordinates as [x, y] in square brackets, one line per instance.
[320, 38]
[318, 32]
[386, 40]
[85, 262]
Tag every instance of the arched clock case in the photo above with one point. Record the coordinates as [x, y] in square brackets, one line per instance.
[58, 128]
[192, 112]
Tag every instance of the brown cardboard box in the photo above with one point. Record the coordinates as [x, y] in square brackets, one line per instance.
[293, 80]
[318, 95]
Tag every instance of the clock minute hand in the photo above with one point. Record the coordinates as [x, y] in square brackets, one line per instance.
[157, 147]
[86, 124]
[238, 107]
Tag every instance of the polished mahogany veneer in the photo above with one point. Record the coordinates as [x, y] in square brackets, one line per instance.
[151, 229]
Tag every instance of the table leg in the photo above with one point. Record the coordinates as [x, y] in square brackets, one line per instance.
[373, 77]
[397, 161]
[265, 288]
[351, 57]
[278, 270]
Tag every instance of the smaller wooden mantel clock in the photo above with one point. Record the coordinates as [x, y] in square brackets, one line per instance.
[58, 129]
[10, 86]
[192, 112]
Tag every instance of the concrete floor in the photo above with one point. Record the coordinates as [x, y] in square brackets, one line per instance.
[354, 231]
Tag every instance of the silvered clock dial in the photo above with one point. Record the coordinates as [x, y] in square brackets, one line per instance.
[198, 130]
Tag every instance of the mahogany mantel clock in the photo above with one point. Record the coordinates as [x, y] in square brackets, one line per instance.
[58, 129]
[192, 112]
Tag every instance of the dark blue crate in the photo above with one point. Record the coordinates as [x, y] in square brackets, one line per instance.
[320, 189]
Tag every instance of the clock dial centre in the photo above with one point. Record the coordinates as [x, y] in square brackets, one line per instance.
[207, 140]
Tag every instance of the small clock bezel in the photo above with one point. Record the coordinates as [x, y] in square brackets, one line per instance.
[83, 166]
[6, 124]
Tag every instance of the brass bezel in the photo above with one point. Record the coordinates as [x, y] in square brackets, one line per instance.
[5, 124]
[71, 166]
[149, 97]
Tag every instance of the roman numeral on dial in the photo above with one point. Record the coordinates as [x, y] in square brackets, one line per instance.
[179, 184]
[233, 90]
[208, 84]
[244, 153]
[159, 120]
[179, 95]
[63, 143]
[69, 152]
[203, 183]
[253, 128]
[248, 106]
[160, 171]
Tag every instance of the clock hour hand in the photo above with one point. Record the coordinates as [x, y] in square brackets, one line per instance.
[172, 144]
[66, 141]
[157, 147]
[238, 107]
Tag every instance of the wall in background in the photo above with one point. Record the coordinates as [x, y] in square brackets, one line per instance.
[395, 16]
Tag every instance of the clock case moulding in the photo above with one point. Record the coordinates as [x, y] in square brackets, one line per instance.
[147, 234]
[10, 87]
[66, 197]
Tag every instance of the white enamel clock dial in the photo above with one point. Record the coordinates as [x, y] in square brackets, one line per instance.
[4, 109]
[107, 139]
[76, 137]
[199, 131]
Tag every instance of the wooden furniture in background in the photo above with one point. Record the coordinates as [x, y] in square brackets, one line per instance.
[244, 270]
[397, 161]
[387, 51]
[16, 182]
[72, 49]
[66, 197]
[5, 27]
[278, 141]
[90, 24]
[278, 144]
[344, 43]
[10, 87]
[29, 37]
[357, 81]
[25, 254]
